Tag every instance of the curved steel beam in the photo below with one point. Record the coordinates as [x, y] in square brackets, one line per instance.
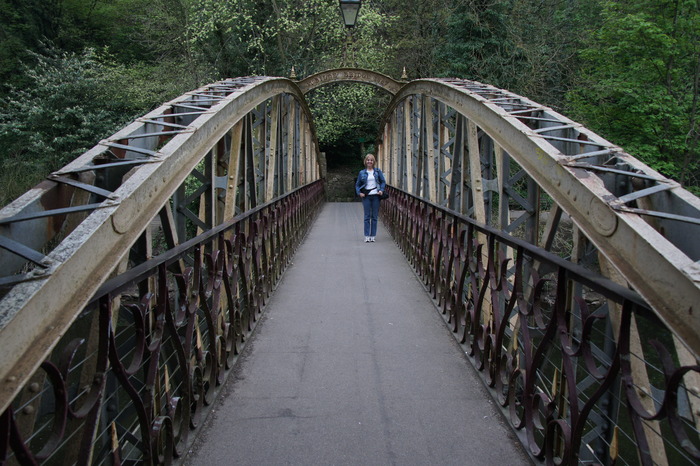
[350, 75]
[37, 310]
[578, 170]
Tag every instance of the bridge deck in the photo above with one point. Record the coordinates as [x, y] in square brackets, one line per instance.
[352, 365]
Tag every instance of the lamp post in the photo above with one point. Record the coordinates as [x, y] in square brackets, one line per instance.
[349, 10]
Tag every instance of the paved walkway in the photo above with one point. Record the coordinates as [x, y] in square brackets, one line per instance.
[352, 365]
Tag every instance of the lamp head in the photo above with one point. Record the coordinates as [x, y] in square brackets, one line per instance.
[349, 10]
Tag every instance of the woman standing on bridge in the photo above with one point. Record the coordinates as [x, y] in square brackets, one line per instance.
[370, 186]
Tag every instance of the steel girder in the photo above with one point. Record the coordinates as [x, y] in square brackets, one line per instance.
[185, 167]
[453, 142]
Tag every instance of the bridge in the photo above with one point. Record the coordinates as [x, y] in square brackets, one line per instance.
[566, 270]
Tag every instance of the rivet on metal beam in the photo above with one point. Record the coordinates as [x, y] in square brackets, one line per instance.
[693, 271]
[603, 217]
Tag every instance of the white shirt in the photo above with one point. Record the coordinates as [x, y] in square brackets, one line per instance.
[371, 182]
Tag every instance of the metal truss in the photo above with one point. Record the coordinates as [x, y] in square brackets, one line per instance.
[454, 149]
[132, 276]
[514, 164]
[180, 170]
[557, 345]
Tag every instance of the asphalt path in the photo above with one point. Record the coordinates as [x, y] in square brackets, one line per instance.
[352, 365]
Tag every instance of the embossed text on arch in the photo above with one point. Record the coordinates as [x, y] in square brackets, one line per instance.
[350, 74]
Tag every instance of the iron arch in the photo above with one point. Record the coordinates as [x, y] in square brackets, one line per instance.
[642, 222]
[349, 75]
[77, 228]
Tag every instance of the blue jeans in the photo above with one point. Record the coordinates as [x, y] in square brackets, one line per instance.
[371, 207]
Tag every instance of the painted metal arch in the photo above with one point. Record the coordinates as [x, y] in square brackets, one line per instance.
[645, 224]
[238, 143]
[358, 75]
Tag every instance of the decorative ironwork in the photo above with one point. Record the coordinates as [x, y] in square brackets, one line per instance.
[510, 162]
[236, 144]
[556, 344]
[132, 377]
[568, 355]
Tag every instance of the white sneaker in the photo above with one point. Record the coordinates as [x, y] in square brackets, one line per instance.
[366, 239]
[371, 239]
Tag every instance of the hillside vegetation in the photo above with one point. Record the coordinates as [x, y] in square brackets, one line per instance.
[75, 71]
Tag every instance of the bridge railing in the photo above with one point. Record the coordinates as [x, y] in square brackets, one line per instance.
[581, 366]
[133, 376]
[182, 169]
[509, 162]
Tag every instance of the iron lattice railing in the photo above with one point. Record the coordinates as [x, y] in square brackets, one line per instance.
[583, 369]
[132, 377]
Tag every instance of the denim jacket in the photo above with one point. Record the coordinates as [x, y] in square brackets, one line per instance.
[362, 180]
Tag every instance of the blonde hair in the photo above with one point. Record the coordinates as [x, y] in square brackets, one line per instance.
[368, 156]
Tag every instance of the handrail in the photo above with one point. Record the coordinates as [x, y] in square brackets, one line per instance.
[138, 370]
[232, 127]
[552, 341]
[436, 133]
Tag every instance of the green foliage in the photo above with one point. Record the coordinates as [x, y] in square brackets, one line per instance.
[547, 36]
[639, 86]
[23, 25]
[347, 112]
[66, 103]
[73, 101]
[369, 46]
[155, 33]
[268, 37]
[478, 45]
[417, 32]
[629, 70]
[527, 47]
[243, 37]
[347, 116]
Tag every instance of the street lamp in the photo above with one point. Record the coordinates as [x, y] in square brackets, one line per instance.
[350, 9]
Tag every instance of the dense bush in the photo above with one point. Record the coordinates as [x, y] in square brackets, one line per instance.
[628, 70]
[71, 102]
[639, 84]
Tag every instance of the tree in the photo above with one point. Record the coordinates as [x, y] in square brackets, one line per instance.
[639, 85]
[73, 101]
[478, 45]
[241, 37]
[268, 37]
[547, 36]
[416, 31]
[24, 24]
[346, 115]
